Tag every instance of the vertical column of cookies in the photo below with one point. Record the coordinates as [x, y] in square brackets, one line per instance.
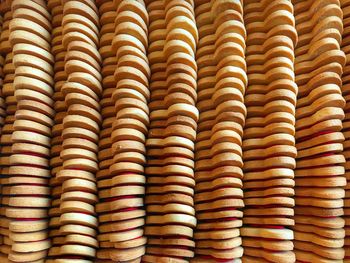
[58, 51]
[319, 177]
[123, 194]
[269, 145]
[82, 92]
[170, 177]
[5, 139]
[345, 5]
[107, 13]
[30, 37]
[2, 122]
[6, 148]
[156, 198]
[222, 82]
[3, 226]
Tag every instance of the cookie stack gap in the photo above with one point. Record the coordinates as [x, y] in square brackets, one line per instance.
[170, 219]
[56, 162]
[222, 82]
[269, 147]
[319, 175]
[107, 14]
[29, 201]
[2, 122]
[345, 5]
[3, 224]
[82, 92]
[7, 91]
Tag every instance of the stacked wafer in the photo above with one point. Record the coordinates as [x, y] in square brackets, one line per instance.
[123, 198]
[107, 12]
[222, 82]
[6, 147]
[82, 92]
[155, 199]
[58, 51]
[269, 146]
[3, 225]
[170, 215]
[29, 200]
[7, 129]
[116, 223]
[3, 110]
[319, 177]
[345, 5]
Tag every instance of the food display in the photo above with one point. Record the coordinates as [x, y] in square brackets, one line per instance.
[174, 131]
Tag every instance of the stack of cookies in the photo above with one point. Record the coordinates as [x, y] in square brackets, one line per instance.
[156, 199]
[107, 12]
[2, 122]
[319, 177]
[222, 82]
[81, 126]
[6, 147]
[269, 146]
[28, 185]
[235, 122]
[3, 225]
[7, 91]
[170, 168]
[121, 219]
[129, 120]
[58, 51]
[345, 5]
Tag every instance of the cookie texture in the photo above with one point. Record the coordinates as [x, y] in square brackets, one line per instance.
[319, 60]
[174, 131]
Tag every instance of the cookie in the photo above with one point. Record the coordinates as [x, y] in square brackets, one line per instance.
[29, 256]
[328, 253]
[151, 258]
[287, 256]
[28, 226]
[77, 250]
[336, 233]
[261, 243]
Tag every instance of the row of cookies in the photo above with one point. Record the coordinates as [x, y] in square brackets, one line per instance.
[129, 131]
[107, 15]
[2, 122]
[5, 139]
[3, 116]
[345, 5]
[81, 126]
[222, 82]
[269, 147]
[6, 148]
[170, 144]
[56, 162]
[319, 174]
[124, 128]
[29, 191]
[160, 195]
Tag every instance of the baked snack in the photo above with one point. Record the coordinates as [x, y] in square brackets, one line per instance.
[6, 73]
[268, 146]
[319, 174]
[78, 92]
[222, 83]
[27, 189]
[345, 5]
[122, 141]
[173, 120]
